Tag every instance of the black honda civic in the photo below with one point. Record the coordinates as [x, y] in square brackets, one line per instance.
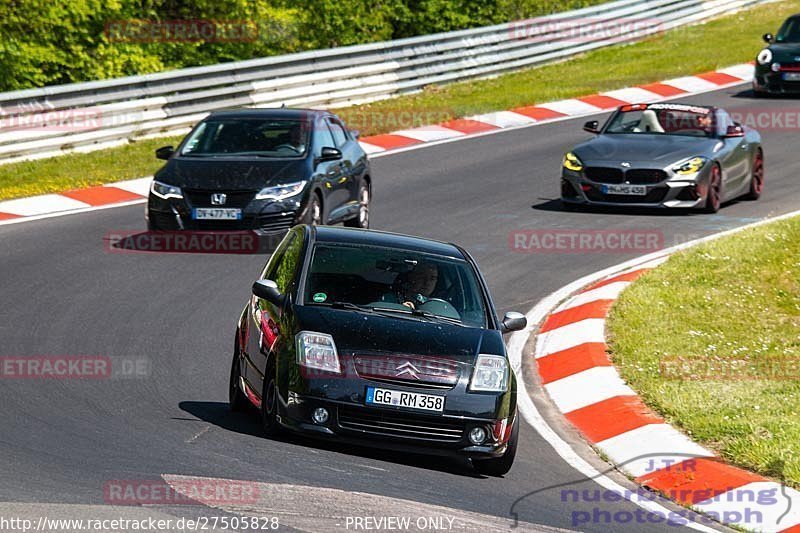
[378, 338]
[262, 169]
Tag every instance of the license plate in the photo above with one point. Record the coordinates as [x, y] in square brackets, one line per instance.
[631, 190]
[413, 400]
[216, 213]
[791, 76]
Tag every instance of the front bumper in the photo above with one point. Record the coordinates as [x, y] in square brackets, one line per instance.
[398, 429]
[265, 215]
[765, 81]
[677, 194]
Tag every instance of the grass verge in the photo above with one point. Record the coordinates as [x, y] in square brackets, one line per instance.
[682, 51]
[710, 340]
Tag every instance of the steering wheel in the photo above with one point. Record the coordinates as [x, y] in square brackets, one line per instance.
[440, 307]
[291, 147]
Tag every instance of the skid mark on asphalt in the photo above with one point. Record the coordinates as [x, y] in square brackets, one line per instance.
[326, 510]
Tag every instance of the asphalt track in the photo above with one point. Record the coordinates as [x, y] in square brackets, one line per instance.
[62, 293]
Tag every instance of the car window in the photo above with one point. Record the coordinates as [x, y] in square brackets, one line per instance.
[324, 136]
[663, 119]
[284, 269]
[250, 136]
[339, 135]
[789, 32]
[724, 121]
[386, 278]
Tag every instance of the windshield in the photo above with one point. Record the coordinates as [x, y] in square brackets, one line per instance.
[257, 137]
[663, 119]
[396, 281]
[789, 32]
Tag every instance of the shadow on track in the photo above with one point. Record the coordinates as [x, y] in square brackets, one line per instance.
[218, 414]
[554, 205]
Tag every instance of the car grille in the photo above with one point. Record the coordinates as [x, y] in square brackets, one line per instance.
[202, 197]
[644, 176]
[415, 371]
[604, 175]
[636, 176]
[400, 425]
[653, 196]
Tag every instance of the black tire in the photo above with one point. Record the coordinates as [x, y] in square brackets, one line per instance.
[757, 177]
[362, 219]
[500, 466]
[313, 214]
[269, 402]
[714, 193]
[237, 401]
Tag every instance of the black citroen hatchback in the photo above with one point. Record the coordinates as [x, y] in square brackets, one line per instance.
[374, 337]
[262, 169]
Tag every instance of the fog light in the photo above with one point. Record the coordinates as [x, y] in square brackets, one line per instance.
[477, 435]
[320, 415]
[776, 67]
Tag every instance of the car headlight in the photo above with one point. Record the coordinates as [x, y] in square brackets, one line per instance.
[690, 166]
[279, 192]
[162, 190]
[490, 374]
[317, 351]
[571, 162]
[764, 56]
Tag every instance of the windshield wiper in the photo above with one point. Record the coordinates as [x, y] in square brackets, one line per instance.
[421, 313]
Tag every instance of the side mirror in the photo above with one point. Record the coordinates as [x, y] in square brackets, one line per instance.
[355, 133]
[592, 126]
[734, 131]
[268, 290]
[513, 321]
[165, 152]
[329, 154]
[768, 37]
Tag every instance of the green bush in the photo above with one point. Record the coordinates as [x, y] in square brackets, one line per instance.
[47, 43]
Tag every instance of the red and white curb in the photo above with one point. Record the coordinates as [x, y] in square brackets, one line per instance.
[135, 191]
[553, 111]
[571, 358]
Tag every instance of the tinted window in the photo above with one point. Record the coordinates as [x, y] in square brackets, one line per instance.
[262, 137]
[386, 279]
[789, 32]
[339, 135]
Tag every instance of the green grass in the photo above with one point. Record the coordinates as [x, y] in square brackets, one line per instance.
[715, 44]
[729, 310]
[75, 171]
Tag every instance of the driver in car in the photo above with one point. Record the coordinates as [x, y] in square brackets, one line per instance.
[416, 286]
[297, 141]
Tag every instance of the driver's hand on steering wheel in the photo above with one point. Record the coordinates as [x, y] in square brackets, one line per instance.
[409, 305]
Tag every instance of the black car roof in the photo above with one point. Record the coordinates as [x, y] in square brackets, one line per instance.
[340, 235]
[277, 113]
